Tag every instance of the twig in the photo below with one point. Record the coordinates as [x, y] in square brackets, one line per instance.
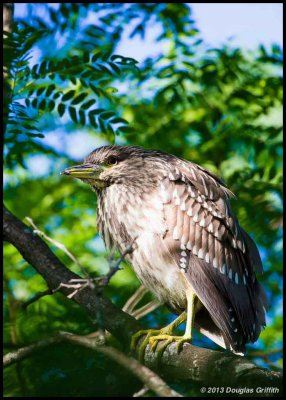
[23, 352]
[80, 284]
[77, 284]
[141, 392]
[264, 354]
[132, 302]
[148, 377]
[36, 297]
[114, 265]
[146, 309]
[151, 380]
[104, 280]
[139, 313]
[57, 244]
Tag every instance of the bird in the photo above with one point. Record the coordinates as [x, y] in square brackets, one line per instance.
[188, 247]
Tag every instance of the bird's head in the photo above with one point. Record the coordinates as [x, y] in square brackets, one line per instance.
[117, 164]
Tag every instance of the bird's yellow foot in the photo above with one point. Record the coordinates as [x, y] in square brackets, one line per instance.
[148, 333]
[153, 336]
[153, 340]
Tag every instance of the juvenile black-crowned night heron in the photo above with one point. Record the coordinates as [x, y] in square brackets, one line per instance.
[189, 249]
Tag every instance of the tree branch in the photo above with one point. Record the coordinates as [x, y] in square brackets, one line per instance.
[57, 244]
[207, 367]
[36, 252]
[36, 297]
[148, 377]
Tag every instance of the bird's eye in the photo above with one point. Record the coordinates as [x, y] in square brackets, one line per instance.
[112, 161]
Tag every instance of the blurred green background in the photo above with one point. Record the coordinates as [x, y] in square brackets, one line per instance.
[71, 91]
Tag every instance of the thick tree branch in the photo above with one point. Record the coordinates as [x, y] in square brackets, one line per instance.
[148, 377]
[36, 252]
[8, 10]
[204, 366]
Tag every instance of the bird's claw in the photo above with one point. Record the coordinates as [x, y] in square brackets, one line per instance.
[153, 337]
[134, 340]
[153, 340]
[181, 341]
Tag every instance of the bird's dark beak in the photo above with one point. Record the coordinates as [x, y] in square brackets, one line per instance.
[83, 171]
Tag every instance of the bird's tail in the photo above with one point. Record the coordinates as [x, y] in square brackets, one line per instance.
[205, 325]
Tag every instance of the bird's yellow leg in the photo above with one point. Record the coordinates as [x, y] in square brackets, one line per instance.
[187, 337]
[152, 333]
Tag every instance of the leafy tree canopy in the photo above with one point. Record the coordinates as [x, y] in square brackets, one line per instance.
[219, 107]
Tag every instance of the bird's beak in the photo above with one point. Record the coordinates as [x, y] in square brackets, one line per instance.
[83, 171]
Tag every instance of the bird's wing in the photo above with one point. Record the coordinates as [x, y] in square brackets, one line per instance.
[217, 256]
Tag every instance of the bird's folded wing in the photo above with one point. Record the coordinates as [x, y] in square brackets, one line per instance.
[217, 256]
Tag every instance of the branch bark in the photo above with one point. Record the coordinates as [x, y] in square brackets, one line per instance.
[204, 366]
[8, 11]
[36, 252]
[148, 377]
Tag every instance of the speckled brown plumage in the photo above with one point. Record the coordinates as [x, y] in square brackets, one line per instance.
[179, 215]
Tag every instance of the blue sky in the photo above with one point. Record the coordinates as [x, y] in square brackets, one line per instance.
[249, 24]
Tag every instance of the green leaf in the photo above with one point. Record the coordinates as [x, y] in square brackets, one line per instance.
[96, 112]
[111, 89]
[67, 96]
[103, 68]
[61, 109]
[96, 56]
[43, 67]
[115, 68]
[107, 115]
[72, 112]
[57, 95]
[102, 126]
[88, 104]
[81, 117]
[126, 129]
[110, 129]
[95, 90]
[118, 120]
[86, 56]
[39, 135]
[79, 98]
[50, 89]
[34, 103]
[86, 74]
[42, 104]
[15, 131]
[51, 105]
[92, 120]
[34, 69]
[40, 90]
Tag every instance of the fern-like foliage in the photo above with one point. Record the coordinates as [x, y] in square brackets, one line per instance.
[79, 87]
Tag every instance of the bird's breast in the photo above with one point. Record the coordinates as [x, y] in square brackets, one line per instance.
[124, 217]
[125, 213]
